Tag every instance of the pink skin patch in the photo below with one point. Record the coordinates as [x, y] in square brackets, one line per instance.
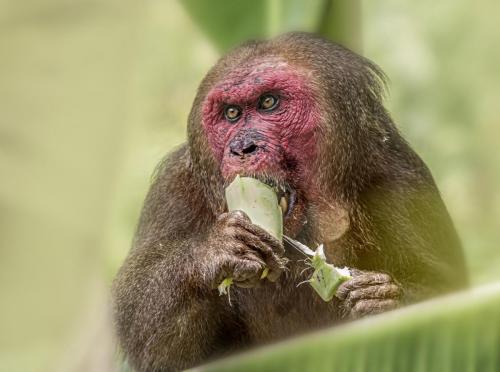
[285, 137]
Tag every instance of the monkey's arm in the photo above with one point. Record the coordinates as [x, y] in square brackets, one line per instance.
[413, 252]
[419, 236]
[168, 311]
[167, 318]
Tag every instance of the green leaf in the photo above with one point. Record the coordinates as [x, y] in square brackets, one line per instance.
[455, 333]
[326, 278]
[224, 286]
[258, 201]
[228, 23]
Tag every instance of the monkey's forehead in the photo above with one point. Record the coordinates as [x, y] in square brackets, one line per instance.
[258, 65]
[245, 81]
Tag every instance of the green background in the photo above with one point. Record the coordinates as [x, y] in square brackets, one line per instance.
[93, 94]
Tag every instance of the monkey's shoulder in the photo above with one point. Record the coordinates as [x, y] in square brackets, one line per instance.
[175, 204]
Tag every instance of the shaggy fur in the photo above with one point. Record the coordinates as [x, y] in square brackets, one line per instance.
[369, 198]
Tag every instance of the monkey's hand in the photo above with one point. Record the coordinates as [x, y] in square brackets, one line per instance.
[368, 293]
[238, 249]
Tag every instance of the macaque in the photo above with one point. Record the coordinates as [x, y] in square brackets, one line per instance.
[306, 114]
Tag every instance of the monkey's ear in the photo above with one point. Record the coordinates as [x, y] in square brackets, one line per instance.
[333, 221]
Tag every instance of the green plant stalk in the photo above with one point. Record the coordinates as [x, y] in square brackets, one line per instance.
[459, 333]
[326, 278]
[260, 202]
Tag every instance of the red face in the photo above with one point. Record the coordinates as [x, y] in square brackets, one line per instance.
[261, 120]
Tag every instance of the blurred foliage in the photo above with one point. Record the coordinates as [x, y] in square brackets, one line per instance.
[93, 93]
[444, 335]
[63, 99]
[444, 96]
[228, 24]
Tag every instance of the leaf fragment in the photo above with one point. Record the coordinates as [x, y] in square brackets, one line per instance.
[326, 278]
[260, 202]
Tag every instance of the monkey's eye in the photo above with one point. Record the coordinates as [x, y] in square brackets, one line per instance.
[232, 113]
[268, 102]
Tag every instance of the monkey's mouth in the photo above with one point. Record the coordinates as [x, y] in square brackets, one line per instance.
[287, 196]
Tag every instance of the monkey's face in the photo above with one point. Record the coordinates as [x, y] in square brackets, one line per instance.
[261, 120]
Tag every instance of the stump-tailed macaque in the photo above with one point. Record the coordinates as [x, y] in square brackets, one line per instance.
[305, 114]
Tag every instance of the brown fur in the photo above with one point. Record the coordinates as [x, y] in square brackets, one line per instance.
[381, 215]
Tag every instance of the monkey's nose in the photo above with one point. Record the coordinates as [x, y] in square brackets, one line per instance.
[242, 147]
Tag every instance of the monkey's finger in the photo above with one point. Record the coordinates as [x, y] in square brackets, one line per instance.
[273, 275]
[222, 217]
[234, 217]
[240, 219]
[230, 263]
[371, 307]
[264, 236]
[381, 292]
[255, 242]
[363, 280]
[274, 262]
[245, 245]
[247, 269]
[252, 279]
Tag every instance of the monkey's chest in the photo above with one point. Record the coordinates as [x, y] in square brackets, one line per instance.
[278, 310]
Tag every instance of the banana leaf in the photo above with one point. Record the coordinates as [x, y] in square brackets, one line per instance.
[228, 23]
[456, 333]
